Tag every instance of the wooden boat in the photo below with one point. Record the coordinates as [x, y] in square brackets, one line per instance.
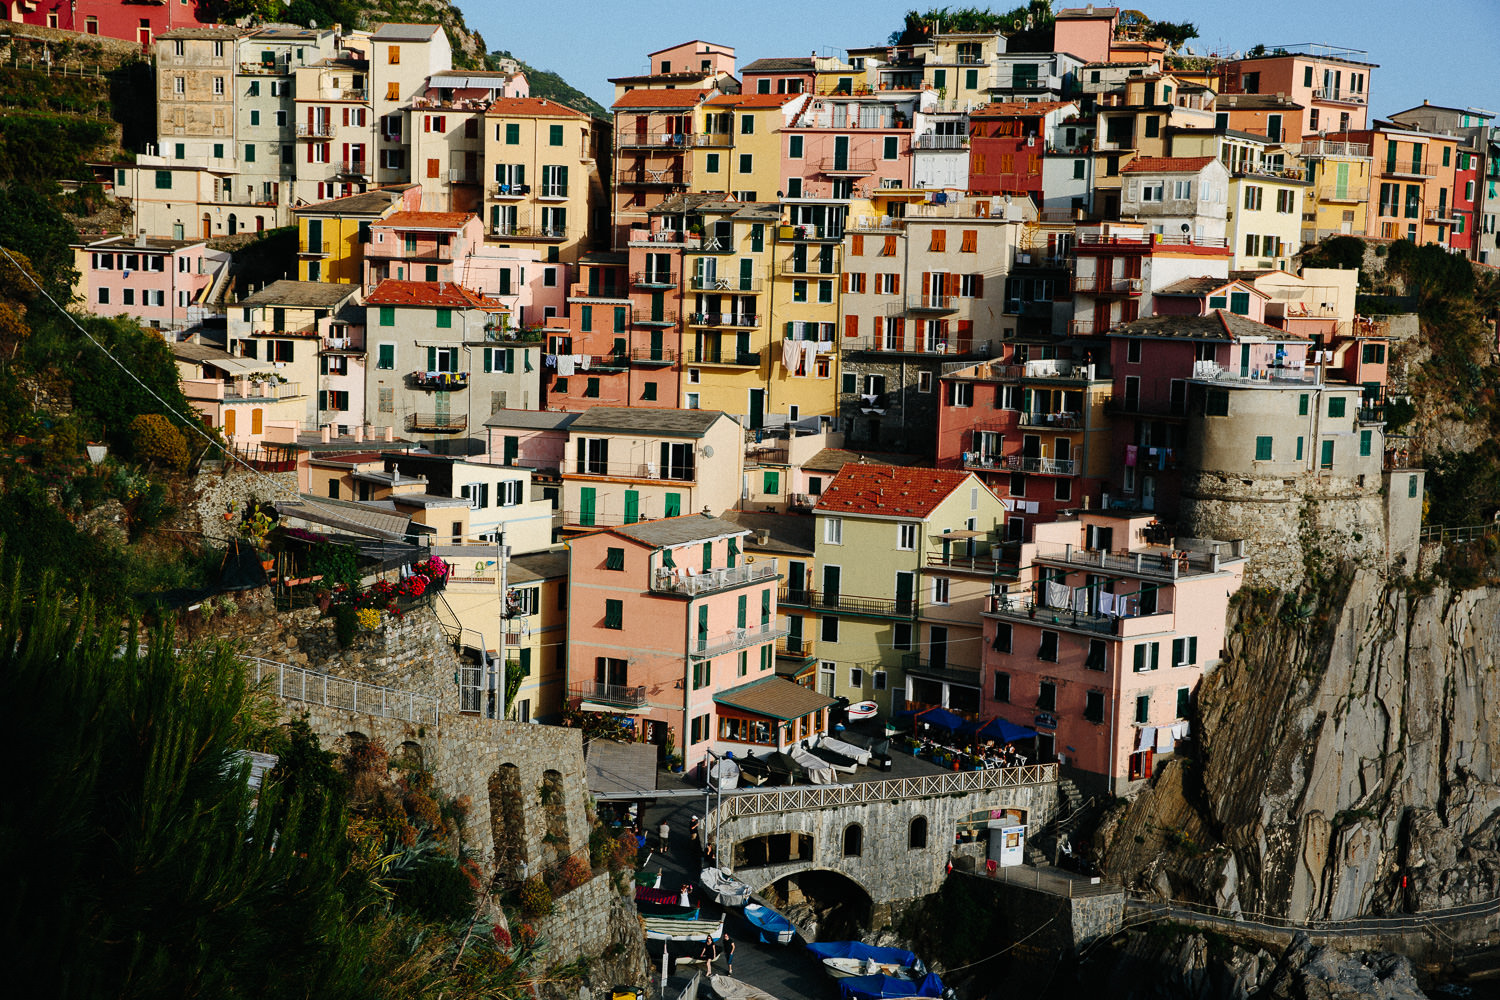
[662, 903]
[831, 757]
[724, 887]
[683, 931]
[840, 968]
[862, 710]
[732, 989]
[773, 927]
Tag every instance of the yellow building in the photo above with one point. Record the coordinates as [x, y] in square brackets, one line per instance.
[331, 235]
[1338, 198]
[737, 144]
[1268, 189]
[806, 288]
[542, 183]
[894, 616]
[960, 66]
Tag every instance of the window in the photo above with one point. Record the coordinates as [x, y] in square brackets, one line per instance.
[747, 163]
[702, 671]
[825, 291]
[892, 148]
[901, 635]
[854, 840]
[1185, 651]
[856, 677]
[828, 628]
[1046, 696]
[1411, 487]
[916, 834]
[614, 559]
[1252, 245]
[906, 537]
[163, 180]
[1142, 709]
[961, 394]
[924, 381]
[700, 728]
[939, 240]
[711, 163]
[1001, 689]
[385, 354]
[1048, 648]
[1253, 197]
[833, 531]
[940, 589]
[218, 86]
[393, 55]
[1302, 405]
[179, 85]
[1002, 640]
[1263, 448]
[1364, 443]
[387, 401]
[1336, 406]
[1095, 660]
[1147, 657]
[614, 614]
[1216, 403]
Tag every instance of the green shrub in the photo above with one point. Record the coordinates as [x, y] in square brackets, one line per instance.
[437, 889]
[345, 625]
[536, 898]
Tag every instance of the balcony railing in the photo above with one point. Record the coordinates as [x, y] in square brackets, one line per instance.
[797, 647]
[353, 167]
[933, 141]
[810, 268]
[838, 601]
[724, 319]
[907, 345]
[1094, 285]
[1324, 147]
[1406, 169]
[686, 583]
[917, 664]
[654, 279]
[621, 695]
[317, 130]
[1331, 193]
[437, 422]
[1209, 371]
[276, 67]
[708, 647]
[986, 563]
[528, 232]
[718, 140]
[655, 140]
[1055, 421]
[725, 283]
[665, 318]
[1162, 562]
[649, 356]
[633, 470]
[931, 303]
[652, 178]
[1082, 327]
[847, 165]
[503, 191]
[459, 175]
[438, 380]
[804, 232]
[558, 191]
[1338, 95]
[315, 248]
[728, 359]
[1041, 466]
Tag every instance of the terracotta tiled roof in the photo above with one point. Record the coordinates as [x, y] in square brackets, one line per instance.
[533, 107]
[1167, 164]
[1219, 324]
[998, 108]
[441, 294]
[889, 490]
[750, 100]
[645, 98]
[426, 220]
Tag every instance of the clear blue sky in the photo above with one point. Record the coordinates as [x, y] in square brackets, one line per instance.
[1444, 52]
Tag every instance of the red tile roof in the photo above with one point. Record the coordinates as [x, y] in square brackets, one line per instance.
[533, 107]
[426, 220]
[1167, 164]
[441, 294]
[998, 108]
[750, 100]
[889, 489]
[647, 98]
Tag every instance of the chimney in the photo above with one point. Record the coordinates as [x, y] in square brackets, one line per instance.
[324, 433]
[390, 434]
[395, 474]
[359, 433]
[140, 238]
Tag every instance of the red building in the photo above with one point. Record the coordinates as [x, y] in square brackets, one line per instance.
[1465, 193]
[587, 359]
[129, 20]
[1007, 142]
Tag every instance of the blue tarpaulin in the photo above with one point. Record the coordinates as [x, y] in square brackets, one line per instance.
[860, 950]
[941, 717]
[999, 729]
[882, 987]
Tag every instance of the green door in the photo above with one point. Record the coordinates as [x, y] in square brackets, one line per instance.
[904, 585]
[1341, 182]
[314, 235]
[831, 575]
[741, 347]
[794, 634]
[586, 506]
[757, 409]
[658, 307]
[841, 152]
[796, 582]
[632, 506]
[656, 346]
[673, 506]
[1327, 461]
[1244, 361]
[440, 405]
[747, 273]
[512, 449]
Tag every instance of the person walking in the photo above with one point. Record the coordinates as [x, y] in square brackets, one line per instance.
[664, 832]
[729, 953]
[708, 954]
[693, 831]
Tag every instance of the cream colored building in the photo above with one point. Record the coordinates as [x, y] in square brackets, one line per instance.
[401, 58]
[195, 70]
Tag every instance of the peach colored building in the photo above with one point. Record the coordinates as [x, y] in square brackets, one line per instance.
[1101, 644]
[158, 283]
[421, 246]
[674, 630]
[1086, 32]
[1330, 84]
[653, 141]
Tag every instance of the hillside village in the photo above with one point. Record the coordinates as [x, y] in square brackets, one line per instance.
[950, 384]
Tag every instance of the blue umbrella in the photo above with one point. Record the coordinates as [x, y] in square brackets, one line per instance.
[1004, 731]
[941, 718]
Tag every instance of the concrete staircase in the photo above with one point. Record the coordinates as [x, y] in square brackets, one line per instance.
[1041, 847]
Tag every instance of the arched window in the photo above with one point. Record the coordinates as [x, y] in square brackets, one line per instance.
[854, 840]
[916, 834]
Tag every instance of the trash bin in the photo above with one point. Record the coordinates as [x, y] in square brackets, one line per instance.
[885, 762]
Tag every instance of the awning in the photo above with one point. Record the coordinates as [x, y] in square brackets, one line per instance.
[962, 533]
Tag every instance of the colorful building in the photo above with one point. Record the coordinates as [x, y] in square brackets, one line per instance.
[163, 284]
[421, 246]
[1331, 84]
[654, 139]
[332, 235]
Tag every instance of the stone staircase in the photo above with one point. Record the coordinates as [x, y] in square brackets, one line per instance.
[1041, 847]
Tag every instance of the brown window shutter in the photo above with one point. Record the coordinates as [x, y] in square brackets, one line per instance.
[851, 326]
[926, 284]
[895, 284]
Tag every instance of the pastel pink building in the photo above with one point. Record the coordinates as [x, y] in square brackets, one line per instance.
[842, 146]
[1101, 644]
[421, 246]
[673, 630]
[129, 20]
[157, 282]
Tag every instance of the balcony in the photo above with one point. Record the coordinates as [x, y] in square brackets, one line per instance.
[1442, 216]
[739, 320]
[459, 175]
[507, 231]
[725, 283]
[343, 345]
[353, 168]
[933, 141]
[654, 279]
[915, 663]
[553, 192]
[1037, 259]
[1323, 147]
[841, 165]
[1153, 563]
[833, 601]
[613, 695]
[1330, 194]
[653, 357]
[438, 380]
[437, 422]
[652, 178]
[725, 359]
[1337, 95]
[932, 303]
[1095, 285]
[276, 67]
[655, 140]
[314, 248]
[682, 583]
[986, 564]
[634, 470]
[665, 318]
[889, 344]
[241, 390]
[1084, 327]
[1053, 421]
[1271, 375]
[501, 192]
[802, 233]
[1407, 170]
[709, 647]
[317, 130]
[796, 647]
[792, 267]
[1025, 608]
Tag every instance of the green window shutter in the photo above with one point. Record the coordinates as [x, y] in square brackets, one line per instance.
[1364, 444]
[741, 611]
[487, 352]
[744, 662]
[1182, 702]
[1335, 406]
[765, 608]
[772, 482]
[510, 361]
[1239, 303]
[1140, 658]
[850, 380]
[794, 147]
[892, 147]
[1217, 302]
[1411, 487]
[512, 448]
[708, 556]
[1327, 457]
[249, 153]
[322, 400]
[512, 133]
[1178, 647]
[1217, 403]
[673, 504]
[445, 319]
[505, 281]
[164, 180]
[1302, 405]
[1192, 650]
[1263, 448]
[1299, 449]
[619, 319]
[1155, 655]
[614, 559]
[587, 322]
[758, 231]
[387, 315]
[387, 356]
[648, 392]
[526, 662]
[555, 135]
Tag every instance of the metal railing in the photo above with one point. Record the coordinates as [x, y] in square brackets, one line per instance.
[796, 646]
[525, 231]
[805, 231]
[1154, 563]
[438, 380]
[917, 663]
[658, 139]
[1338, 94]
[932, 140]
[654, 355]
[300, 684]
[1041, 466]
[724, 319]
[1093, 285]
[317, 130]
[626, 695]
[633, 470]
[798, 797]
[738, 359]
[931, 303]
[1464, 535]
[1325, 147]
[315, 247]
[437, 422]
[686, 583]
[662, 279]
[353, 167]
[739, 639]
[667, 317]
[838, 601]
[1057, 421]
[509, 190]
[847, 165]
[725, 283]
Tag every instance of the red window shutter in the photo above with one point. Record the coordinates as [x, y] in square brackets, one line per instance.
[926, 284]
[346, 152]
[900, 338]
[851, 326]
[978, 285]
[346, 117]
[965, 333]
[309, 117]
[857, 246]
[426, 123]
[310, 148]
[846, 282]
[895, 284]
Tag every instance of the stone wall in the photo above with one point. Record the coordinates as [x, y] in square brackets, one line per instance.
[601, 922]
[232, 487]
[910, 419]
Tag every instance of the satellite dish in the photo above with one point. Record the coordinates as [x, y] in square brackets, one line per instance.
[708, 451]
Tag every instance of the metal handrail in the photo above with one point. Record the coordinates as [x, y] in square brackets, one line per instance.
[797, 797]
[301, 684]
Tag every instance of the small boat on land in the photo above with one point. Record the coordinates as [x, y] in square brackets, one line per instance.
[669, 929]
[858, 754]
[732, 989]
[879, 987]
[862, 710]
[840, 968]
[773, 927]
[662, 903]
[855, 959]
[724, 887]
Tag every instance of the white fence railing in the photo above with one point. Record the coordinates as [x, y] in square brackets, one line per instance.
[299, 684]
[794, 797]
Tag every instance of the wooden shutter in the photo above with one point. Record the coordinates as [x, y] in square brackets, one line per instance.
[851, 326]
[899, 340]
[846, 282]
[978, 280]
[895, 284]
[926, 284]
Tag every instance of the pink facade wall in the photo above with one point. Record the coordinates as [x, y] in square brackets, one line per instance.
[534, 449]
[131, 22]
[689, 57]
[866, 155]
[132, 271]
[389, 257]
[1087, 38]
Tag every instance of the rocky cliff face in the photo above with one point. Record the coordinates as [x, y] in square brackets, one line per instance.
[1348, 760]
